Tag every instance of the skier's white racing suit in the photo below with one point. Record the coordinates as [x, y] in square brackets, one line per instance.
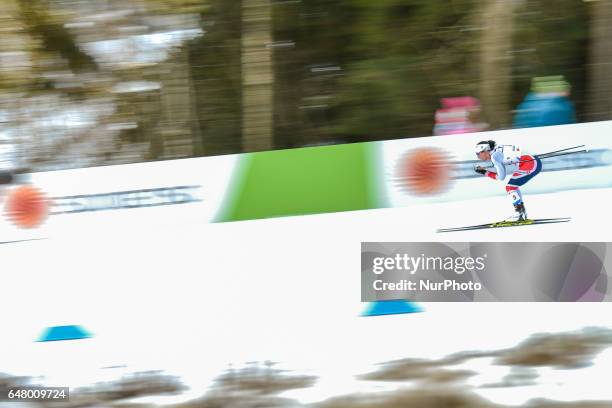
[508, 159]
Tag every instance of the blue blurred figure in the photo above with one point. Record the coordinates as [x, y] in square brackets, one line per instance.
[547, 104]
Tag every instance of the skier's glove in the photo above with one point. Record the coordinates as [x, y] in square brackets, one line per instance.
[480, 170]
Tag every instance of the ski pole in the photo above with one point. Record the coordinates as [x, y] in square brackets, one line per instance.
[549, 155]
[562, 150]
[564, 154]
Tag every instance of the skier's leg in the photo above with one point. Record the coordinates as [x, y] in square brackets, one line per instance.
[527, 171]
[517, 201]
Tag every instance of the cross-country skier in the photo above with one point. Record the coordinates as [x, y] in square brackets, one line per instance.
[509, 160]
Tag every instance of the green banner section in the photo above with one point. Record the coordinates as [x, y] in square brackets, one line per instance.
[303, 181]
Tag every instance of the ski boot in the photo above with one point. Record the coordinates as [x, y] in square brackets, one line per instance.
[520, 214]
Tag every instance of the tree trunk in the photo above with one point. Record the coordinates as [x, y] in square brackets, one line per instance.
[496, 62]
[257, 76]
[600, 62]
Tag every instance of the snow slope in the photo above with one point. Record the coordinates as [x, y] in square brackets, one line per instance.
[193, 297]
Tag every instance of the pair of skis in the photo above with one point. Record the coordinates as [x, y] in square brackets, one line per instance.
[505, 224]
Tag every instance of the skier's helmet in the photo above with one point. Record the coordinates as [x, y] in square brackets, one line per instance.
[485, 145]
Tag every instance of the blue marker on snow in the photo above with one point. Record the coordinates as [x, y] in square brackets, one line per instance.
[61, 333]
[391, 307]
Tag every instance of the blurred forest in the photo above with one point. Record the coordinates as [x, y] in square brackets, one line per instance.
[94, 82]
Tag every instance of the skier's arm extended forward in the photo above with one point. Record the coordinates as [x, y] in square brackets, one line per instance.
[497, 159]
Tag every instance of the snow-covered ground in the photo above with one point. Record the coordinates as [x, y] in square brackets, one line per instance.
[195, 297]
